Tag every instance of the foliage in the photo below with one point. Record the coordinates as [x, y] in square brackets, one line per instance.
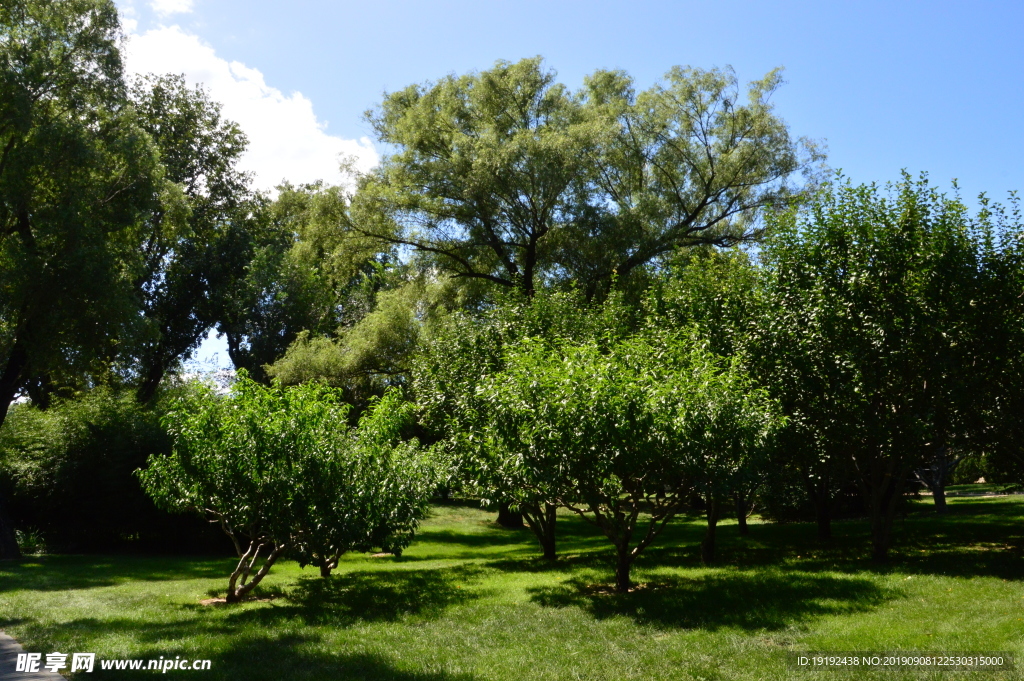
[370, 495]
[458, 354]
[615, 434]
[308, 272]
[193, 256]
[279, 469]
[872, 336]
[72, 466]
[507, 176]
[78, 177]
[373, 353]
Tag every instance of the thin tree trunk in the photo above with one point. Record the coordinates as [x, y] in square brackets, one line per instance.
[541, 520]
[822, 500]
[508, 518]
[245, 565]
[622, 565]
[883, 511]
[741, 513]
[707, 547]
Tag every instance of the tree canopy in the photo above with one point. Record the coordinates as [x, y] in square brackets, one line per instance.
[509, 177]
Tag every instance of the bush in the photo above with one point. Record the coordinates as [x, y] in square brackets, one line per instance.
[69, 472]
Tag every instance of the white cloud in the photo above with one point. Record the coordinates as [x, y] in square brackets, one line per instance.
[167, 7]
[286, 141]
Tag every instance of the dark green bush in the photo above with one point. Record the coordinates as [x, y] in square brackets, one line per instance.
[69, 473]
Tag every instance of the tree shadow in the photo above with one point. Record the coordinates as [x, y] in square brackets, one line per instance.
[66, 572]
[292, 656]
[742, 599]
[370, 596]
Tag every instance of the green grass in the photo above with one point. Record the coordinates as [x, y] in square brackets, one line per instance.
[469, 600]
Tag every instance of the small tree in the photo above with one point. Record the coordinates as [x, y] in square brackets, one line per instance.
[370, 494]
[619, 436]
[279, 469]
[460, 355]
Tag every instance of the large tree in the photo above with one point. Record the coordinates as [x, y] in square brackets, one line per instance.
[509, 177]
[308, 272]
[193, 261]
[78, 176]
[874, 341]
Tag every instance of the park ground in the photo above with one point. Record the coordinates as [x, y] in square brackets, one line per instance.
[469, 600]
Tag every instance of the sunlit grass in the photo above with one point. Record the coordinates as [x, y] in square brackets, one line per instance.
[469, 600]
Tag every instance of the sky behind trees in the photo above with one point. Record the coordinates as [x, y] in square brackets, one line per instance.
[934, 87]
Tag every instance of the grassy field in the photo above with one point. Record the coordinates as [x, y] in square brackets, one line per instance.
[469, 600]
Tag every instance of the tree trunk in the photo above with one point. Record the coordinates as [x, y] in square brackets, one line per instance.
[707, 547]
[508, 518]
[883, 504]
[822, 500]
[150, 382]
[880, 540]
[541, 520]
[245, 565]
[741, 513]
[622, 566]
[325, 570]
[939, 495]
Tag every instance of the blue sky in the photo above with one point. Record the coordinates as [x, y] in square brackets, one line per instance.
[936, 86]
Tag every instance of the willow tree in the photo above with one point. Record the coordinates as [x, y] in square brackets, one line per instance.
[509, 177]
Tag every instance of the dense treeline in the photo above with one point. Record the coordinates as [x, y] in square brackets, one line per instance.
[618, 302]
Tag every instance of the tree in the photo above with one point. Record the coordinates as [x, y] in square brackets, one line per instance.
[193, 260]
[876, 347]
[279, 470]
[508, 177]
[307, 272]
[378, 484]
[620, 437]
[459, 353]
[715, 292]
[78, 176]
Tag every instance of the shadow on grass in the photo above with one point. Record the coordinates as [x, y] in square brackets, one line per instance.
[745, 600]
[60, 573]
[289, 657]
[292, 656]
[371, 596]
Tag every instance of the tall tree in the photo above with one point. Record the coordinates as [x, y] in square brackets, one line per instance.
[192, 260]
[78, 176]
[870, 302]
[509, 177]
[309, 272]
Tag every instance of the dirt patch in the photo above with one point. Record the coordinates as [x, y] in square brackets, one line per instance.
[223, 601]
[609, 589]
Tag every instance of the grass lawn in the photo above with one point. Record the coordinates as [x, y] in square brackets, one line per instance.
[469, 600]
